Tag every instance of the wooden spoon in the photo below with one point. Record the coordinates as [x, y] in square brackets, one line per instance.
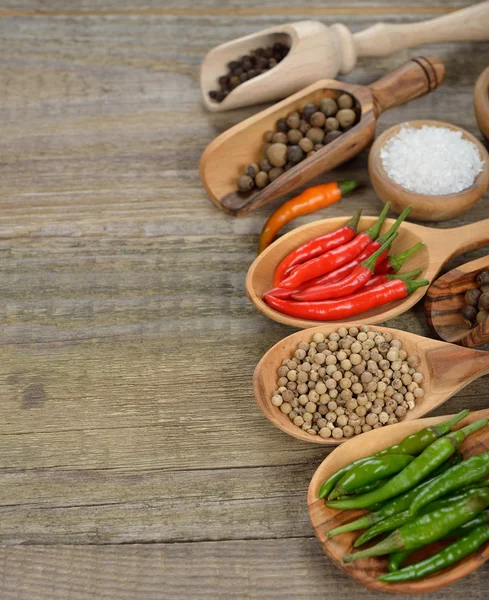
[368, 570]
[446, 369]
[226, 158]
[317, 51]
[444, 300]
[481, 102]
[425, 208]
[440, 246]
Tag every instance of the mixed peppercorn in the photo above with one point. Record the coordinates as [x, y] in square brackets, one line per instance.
[349, 382]
[418, 491]
[297, 136]
[476, 307]
[251, 65]
[328, 279]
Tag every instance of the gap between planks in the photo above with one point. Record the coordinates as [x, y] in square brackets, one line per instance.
[312, 11]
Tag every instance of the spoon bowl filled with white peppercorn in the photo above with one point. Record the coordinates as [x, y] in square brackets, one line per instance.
[457, 304]
[316, 129]
[327, 384]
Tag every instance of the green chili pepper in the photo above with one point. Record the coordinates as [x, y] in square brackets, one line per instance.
[464, 529]
[428, 528]
[365, 489]
[413, 444]
[387, 509]
[446, 557]
[377, 467]
[405, 516]
[424, 464]
[451, 462]
[467, 472]
[397, 558]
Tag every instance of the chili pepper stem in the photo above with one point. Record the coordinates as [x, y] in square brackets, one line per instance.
[353, 222]
[374, 231]
[414, 284]
[405, 276]
[347, 186]
[392, 543]
[397, 260]
[450, 423]
[397, 223]
[369, 263]
[459, 436]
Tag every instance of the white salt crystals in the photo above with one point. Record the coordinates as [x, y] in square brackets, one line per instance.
[431, 160]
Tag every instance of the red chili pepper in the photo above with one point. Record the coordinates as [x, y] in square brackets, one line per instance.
[344, 308]
[383, 277]
[395, 262]
[325, 263]
[317, 246]
[350, 284]
[310, 200]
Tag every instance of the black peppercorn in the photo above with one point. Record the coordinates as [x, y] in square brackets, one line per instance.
[472, 296]
[282, 125]
[294, 154]
[245, 183]
[265, 165]
[483, 278]
[469, 313]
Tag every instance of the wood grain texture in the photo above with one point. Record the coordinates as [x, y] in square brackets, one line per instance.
[445, 300]
[127, 343]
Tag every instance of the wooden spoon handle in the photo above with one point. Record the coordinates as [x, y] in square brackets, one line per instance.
[467, 24]
[453, 367]
[460, 239]
[477, 336]
[411, 80]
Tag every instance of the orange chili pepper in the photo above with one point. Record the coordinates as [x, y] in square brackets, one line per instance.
[310, 200]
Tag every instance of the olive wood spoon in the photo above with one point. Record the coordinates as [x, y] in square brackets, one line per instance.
[317, 51]
[446, 370]
[225, 158]
[368, 570]
[445, 299]
[440, 246]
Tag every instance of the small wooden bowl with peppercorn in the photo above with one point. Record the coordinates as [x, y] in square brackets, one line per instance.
[457, 304]
[245, 167]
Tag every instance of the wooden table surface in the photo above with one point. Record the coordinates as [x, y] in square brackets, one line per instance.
[134, 462]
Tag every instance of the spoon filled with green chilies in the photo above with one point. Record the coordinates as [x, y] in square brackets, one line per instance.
[425, 486]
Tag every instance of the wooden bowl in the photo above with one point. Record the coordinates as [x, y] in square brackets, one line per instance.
[446, 369]
[368, 570]
[425, 208]
[445, 299]
[481, 102]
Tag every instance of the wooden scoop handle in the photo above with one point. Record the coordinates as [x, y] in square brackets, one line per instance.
[467, 24]
[453, 367]
[413, 79]
[458, 239]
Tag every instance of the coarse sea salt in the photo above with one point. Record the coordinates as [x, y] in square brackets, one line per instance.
[431, 160]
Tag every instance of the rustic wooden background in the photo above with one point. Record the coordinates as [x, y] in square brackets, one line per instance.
[134, 462]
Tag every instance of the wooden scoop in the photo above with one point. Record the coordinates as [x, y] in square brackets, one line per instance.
[444, 300]
[481, 102]
[368, 570]
[440, 246]
[446, 369]
[317, 51]
[226, 158]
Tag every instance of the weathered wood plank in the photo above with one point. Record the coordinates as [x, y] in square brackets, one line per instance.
[254, 569]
